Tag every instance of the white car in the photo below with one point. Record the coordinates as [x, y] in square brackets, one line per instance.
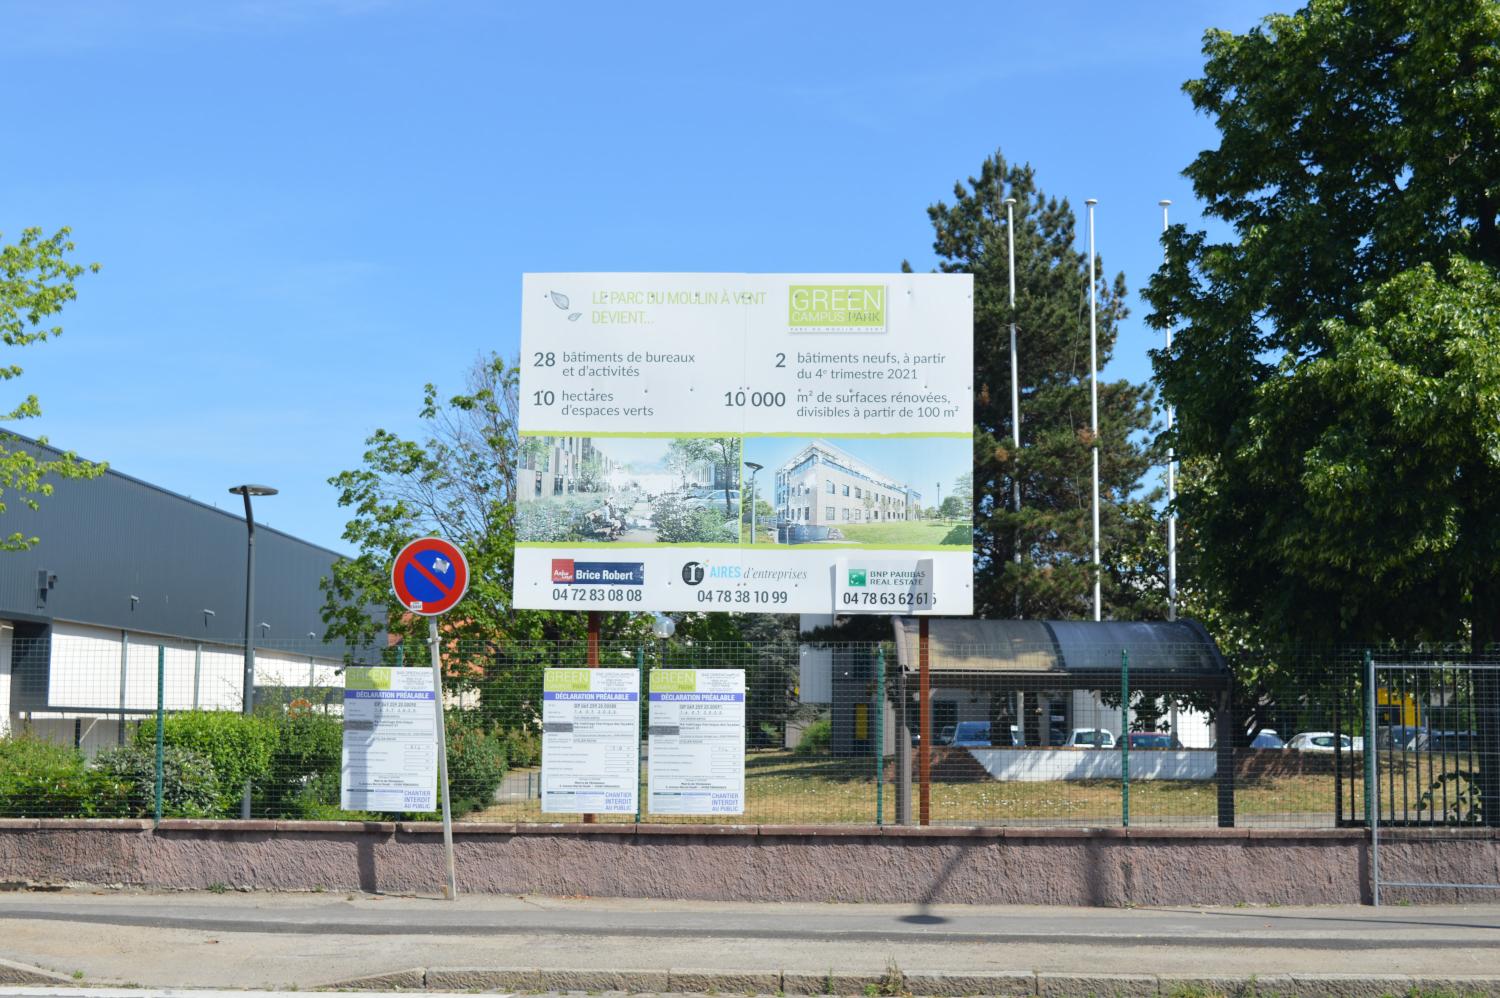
[1318, 741]
[1090, 738]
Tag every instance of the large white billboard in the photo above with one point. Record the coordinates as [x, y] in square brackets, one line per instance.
[736, 441]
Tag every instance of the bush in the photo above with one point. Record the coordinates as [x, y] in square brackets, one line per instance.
[189, 783]
[523, 746]
[476, 762]
[677, 522]
[239, 748]
[39, 779]
[304, 774]
[817, 738]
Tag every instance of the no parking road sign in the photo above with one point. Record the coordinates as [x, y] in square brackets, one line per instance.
[430, 576]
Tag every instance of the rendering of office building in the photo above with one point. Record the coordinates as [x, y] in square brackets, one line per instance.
[555, 466]
[824, 486]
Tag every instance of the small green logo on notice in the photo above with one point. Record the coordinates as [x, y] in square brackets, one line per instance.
[836, 308]
[856, 577]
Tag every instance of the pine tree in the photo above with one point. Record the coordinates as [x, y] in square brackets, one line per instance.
[1053, 530]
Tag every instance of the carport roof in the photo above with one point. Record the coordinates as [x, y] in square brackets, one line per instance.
[1066, 652]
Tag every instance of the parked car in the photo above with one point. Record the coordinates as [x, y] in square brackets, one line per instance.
[1319, 741]
[1400, 737]
[715, 499]
[1090, 738]
[979, 734]
[1154, 740]
[1450, 741]
[1267, 738]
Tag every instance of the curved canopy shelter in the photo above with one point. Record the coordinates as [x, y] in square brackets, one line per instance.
[996, 665]
[1164, 656]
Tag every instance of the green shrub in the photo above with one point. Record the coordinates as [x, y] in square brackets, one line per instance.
[189, 783]
[817, 738]
[40, 779]
[523, 746]
[476, 761]
[304, 772]
[239, 747]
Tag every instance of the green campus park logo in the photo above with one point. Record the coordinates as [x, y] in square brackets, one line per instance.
[836, 308]
[856, 578]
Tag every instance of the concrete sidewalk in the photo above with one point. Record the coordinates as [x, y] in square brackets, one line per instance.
[281, 941]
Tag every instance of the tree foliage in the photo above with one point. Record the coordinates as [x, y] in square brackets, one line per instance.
[1054, 528]
[37, 279]
[1328, 372]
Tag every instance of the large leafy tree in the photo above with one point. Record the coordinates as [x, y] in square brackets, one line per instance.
[37, 279]
[457, 480]
[1333, 369]
[1053, 530]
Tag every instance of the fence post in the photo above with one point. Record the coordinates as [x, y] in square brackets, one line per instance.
[880, 735]
[1125, 737]
[1372, 792]
[161, 705]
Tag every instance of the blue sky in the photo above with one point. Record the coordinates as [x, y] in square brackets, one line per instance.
[306, 209]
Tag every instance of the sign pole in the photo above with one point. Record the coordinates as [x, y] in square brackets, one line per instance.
[924, 723]
[593, 663]
[451, 889]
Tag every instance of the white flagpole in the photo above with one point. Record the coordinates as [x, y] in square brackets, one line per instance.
[1171, 470]
[1015, 381]
[1094, 403]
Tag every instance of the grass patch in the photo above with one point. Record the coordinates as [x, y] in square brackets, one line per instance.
[913, 533]
[784, 788]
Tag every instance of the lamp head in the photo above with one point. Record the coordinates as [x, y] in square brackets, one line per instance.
[663, 626]
[253, 490]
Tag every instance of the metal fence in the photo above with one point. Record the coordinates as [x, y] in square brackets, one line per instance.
[863, 733]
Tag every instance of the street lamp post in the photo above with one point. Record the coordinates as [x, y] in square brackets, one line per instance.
[1171, 468]
[753, 469]
[1094, 400]
[246, 491]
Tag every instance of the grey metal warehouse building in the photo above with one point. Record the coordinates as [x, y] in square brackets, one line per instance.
[125, 572]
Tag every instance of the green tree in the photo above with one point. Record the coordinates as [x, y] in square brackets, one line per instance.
[36, 280]
[1053, 531]
[1331, 366]
[685, 453]
[458, 481]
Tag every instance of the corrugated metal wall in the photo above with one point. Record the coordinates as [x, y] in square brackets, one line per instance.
[115, 537]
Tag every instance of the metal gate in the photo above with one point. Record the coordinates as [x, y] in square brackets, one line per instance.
[1431, 750]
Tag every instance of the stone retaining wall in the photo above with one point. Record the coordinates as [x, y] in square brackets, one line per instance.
[755, 863]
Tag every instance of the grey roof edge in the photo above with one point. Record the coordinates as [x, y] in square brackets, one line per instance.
[110, 470]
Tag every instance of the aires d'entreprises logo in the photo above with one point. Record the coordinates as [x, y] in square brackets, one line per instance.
[836, 308]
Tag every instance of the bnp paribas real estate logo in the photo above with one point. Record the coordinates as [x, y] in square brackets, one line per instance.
[856, 578]
[836, 308]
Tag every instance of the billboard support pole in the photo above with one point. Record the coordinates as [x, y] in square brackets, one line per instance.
[924, 722]
[593, 663]
[450, 889]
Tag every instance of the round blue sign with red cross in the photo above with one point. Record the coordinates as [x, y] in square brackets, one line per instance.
[429, 576]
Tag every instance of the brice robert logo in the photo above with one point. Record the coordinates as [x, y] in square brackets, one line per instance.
[692, 573]
[856, 578]
[836, 308]
[567, 572]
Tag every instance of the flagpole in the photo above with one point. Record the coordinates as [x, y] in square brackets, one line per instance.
[1094, 403]
[1015, 388]
[1171, 467]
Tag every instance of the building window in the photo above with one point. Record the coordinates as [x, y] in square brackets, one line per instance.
[830, 487]
[830, 514]
[846, 490]
[856, 492]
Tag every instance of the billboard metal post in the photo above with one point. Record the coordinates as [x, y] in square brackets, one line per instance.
[1124, 737]
[593, 663]
[879, 736]
[924, 723]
